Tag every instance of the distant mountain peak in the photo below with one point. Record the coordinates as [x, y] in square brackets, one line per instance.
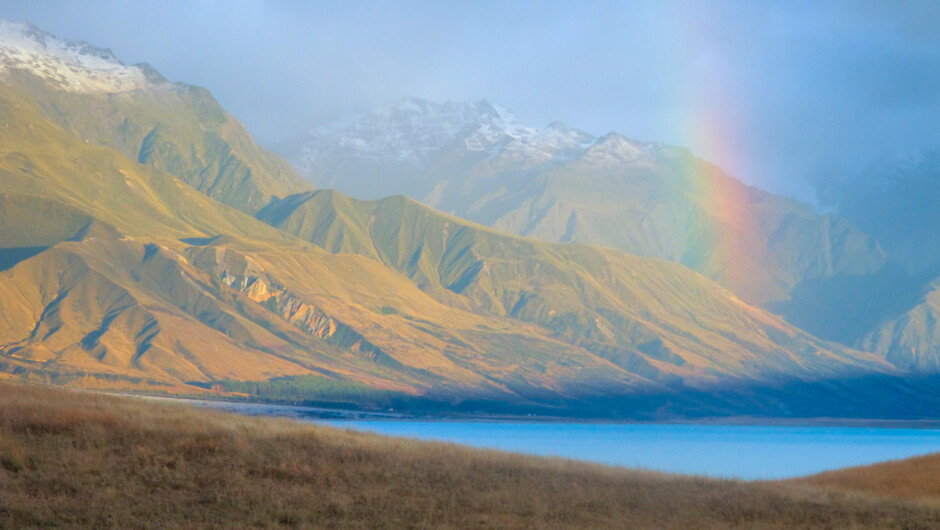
[497, 111]
[415, 131]
[151, 74]
[618, 148]
[560, 127]
[72, 65]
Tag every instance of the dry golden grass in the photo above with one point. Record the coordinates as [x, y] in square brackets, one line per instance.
[911, 478]
[72, 459]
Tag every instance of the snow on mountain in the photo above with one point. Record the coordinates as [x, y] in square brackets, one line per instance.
[415, 135]
[617, 149]
[415, 132]
[74, 66]
[476, 160]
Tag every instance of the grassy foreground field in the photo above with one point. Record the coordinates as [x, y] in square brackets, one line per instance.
[912, 478]
[72, 459]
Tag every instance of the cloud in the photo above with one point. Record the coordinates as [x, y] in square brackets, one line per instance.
[788, 88]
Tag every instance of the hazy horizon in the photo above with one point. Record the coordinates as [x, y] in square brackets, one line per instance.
[775, 94]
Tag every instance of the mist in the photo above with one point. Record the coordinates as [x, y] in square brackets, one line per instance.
[777, 94]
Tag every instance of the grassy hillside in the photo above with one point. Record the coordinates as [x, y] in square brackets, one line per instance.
[890, 313]
[818, 271]
[559, 184]
[653, 317]
[915, 478]
[123, 271]
[178, 128]
[84, 460]
[907, 334]
[666, 203]
[125, 275]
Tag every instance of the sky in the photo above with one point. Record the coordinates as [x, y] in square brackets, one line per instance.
[776, 93]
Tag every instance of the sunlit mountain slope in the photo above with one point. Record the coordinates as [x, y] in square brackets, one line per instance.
[132, 259]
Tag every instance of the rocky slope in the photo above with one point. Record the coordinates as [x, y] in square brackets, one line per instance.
[819, 272]
[894, 312]
[560, 184]
[171, 126]
[657, 318]
[895, 201]
[132, 258]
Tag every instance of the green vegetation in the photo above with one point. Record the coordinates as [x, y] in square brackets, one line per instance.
[309, 388]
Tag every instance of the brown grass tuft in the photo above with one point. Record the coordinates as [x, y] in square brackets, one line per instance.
[912, 478]
[86, 460]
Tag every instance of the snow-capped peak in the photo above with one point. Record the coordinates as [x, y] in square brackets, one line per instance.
[72, 66]
[414, 133]
[614, 147]
[493, 125]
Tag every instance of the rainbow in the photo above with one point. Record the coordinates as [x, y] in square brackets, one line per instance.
[730, 246]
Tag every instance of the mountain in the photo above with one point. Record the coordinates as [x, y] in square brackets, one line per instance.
[392, 150]
[172, 126]
[147, 242]
[652, 317]
[896, 202]
[477, 161]
[820, 272]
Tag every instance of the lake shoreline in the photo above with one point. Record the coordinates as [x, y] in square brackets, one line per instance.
[320, 413]
[88, 459]
[737, 448]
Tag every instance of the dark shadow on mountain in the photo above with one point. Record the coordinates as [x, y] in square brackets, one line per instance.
[198, 241]
[864, 397]
[844, 308]
[9, 257]
[95, 229]
[884, 397]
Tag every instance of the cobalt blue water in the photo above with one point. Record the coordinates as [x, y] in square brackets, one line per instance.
[747, 452]
[730, 451]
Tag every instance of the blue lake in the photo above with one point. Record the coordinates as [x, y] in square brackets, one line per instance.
[748, 452]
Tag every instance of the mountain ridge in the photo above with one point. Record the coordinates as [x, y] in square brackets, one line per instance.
[819, 271]
[176, 285]
[70, 65]
[646, 198]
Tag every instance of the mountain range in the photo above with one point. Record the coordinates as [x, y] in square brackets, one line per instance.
[829, 274]
[477, 161]
[895, 201]
[149, 243]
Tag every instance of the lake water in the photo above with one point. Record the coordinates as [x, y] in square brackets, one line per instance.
[748, 452]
